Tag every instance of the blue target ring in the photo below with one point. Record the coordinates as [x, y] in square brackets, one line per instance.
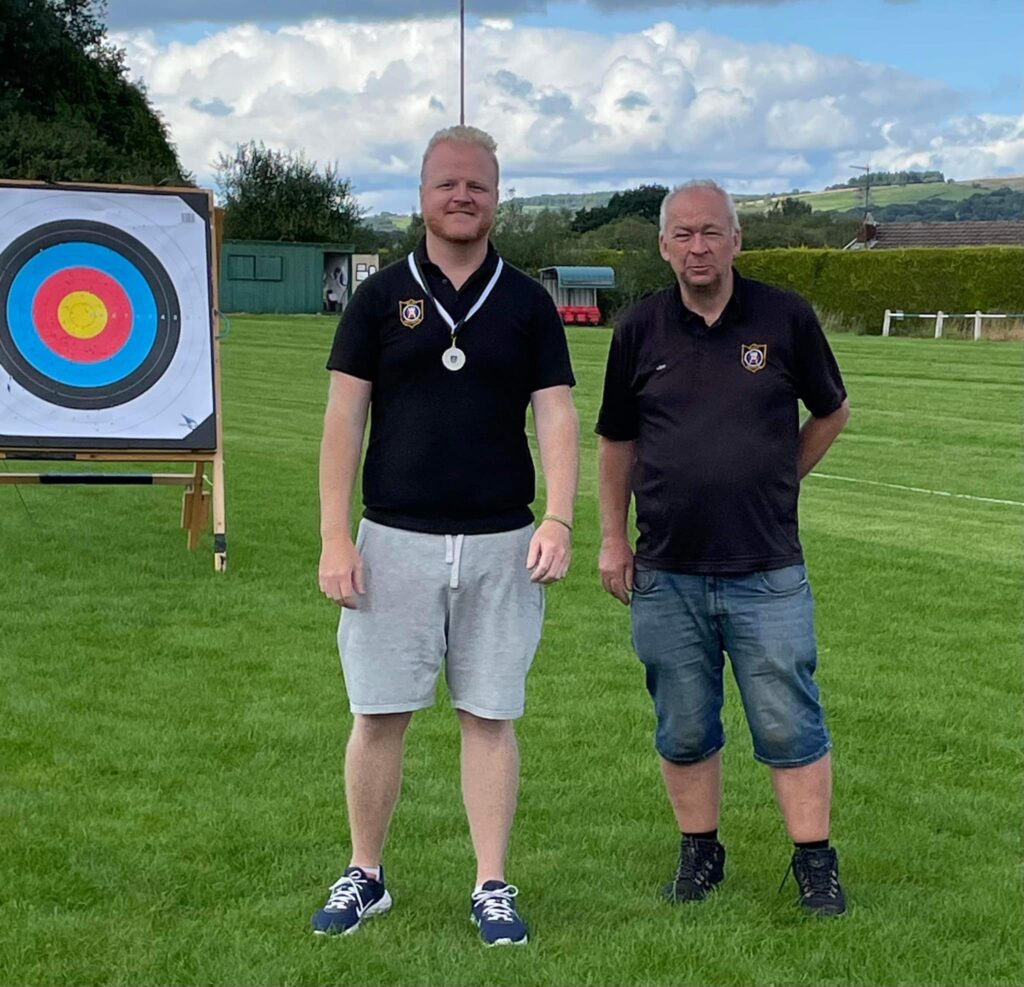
[30, 265]
[21, 299]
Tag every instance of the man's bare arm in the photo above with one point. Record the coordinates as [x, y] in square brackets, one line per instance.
[341, 568]
[616, 559]
[558, 437]
[818, 434]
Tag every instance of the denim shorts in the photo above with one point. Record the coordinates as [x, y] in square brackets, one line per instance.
[683, 625]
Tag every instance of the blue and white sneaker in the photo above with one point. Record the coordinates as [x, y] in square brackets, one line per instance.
[354, 897]
[494, 913]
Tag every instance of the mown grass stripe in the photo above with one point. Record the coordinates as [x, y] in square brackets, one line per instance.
[920, 490]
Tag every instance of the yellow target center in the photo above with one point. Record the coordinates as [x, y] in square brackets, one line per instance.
[82, 314]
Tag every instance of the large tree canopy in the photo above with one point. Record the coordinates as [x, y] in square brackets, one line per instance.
[643, 202]
[68, 111]
[280, 195]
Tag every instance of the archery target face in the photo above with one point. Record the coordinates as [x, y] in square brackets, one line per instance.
[105, 319]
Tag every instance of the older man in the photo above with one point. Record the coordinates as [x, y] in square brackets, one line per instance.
[700, 422]
[448, 347]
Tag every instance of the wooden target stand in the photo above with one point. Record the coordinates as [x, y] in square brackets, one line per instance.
[203, 483]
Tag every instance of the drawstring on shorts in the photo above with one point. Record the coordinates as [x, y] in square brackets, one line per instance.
[453, 557]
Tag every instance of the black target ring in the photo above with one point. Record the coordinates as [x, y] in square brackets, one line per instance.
[111, 254]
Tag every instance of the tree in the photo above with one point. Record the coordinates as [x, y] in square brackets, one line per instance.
[68, 111]
[629, 233]
[789, 208]
[792, 223]
[643, 202]
[530, 238]
[399, 245]
[280, 195]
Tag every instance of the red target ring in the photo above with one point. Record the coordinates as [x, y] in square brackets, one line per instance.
[82, 314]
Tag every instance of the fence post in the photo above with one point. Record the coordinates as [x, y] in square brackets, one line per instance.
[939, 319]
[886, 322]
[977, 325]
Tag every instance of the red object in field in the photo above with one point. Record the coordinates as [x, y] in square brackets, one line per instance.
[581, 315]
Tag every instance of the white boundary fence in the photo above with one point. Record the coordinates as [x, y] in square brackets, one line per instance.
[940, 318]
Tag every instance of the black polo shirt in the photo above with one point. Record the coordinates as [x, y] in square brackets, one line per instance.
[447, 450]
[714, 414]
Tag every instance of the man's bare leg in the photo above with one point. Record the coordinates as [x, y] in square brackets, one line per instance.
[373, 780]
[490, 789]
[695, 791]
[804, 795]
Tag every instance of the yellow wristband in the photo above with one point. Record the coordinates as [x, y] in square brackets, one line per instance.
[558, 520]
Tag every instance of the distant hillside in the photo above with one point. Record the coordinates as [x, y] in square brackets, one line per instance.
[581, 200]
[841, 200]
[1016, 183]
[574, 203]
[984, 205]
[837, 200]
[388, 222]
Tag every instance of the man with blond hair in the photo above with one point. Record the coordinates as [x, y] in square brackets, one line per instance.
[700, 424]
[448, 347]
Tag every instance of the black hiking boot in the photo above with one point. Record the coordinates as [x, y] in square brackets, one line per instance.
[817, 876]
[701, 869]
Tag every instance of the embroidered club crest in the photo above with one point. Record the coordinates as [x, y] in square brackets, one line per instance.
[754, 357]
[411, 312]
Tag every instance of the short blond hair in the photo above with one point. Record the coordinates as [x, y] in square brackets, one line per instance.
[468, 136]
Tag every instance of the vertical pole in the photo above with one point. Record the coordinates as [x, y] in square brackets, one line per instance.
[887, 322]
[220, 538]
[940, 317]
[977, 325]
[462, 62]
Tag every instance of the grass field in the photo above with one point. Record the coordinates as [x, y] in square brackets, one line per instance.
[881, 195]
[1016, 182]
[171, 799]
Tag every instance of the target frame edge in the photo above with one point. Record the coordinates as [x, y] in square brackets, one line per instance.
[206, 437]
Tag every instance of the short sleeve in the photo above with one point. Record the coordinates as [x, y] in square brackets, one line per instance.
[618, 419]
[356, 347]
[550, 365]
[819, 384]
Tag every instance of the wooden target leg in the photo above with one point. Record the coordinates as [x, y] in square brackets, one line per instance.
[195, 507]
[220, 538]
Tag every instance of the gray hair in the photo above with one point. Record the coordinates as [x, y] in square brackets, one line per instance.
[467, 136]
[696, 183]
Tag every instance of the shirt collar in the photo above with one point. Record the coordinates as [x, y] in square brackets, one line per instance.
[732, 312]
[482, 273]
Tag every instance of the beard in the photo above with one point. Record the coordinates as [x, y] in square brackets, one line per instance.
[458, 234]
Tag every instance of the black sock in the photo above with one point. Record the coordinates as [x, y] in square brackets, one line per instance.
[813, 845]
[711, 834]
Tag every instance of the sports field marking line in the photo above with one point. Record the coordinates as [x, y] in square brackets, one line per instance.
[922, 490]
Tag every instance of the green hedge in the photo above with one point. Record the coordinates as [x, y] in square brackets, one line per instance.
[862, 284]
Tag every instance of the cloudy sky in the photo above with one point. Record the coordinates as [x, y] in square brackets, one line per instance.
[765, 95]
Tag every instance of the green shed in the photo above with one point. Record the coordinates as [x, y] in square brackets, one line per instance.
[272, 276]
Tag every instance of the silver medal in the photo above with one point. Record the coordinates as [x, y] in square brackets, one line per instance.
[453, 358]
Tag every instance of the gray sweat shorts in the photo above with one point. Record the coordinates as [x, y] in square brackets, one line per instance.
[462, 600]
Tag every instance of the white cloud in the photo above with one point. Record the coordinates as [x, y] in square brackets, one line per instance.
[570, 109]
[808, 124]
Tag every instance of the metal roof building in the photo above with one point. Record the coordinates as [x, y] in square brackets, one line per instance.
[574, 290]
